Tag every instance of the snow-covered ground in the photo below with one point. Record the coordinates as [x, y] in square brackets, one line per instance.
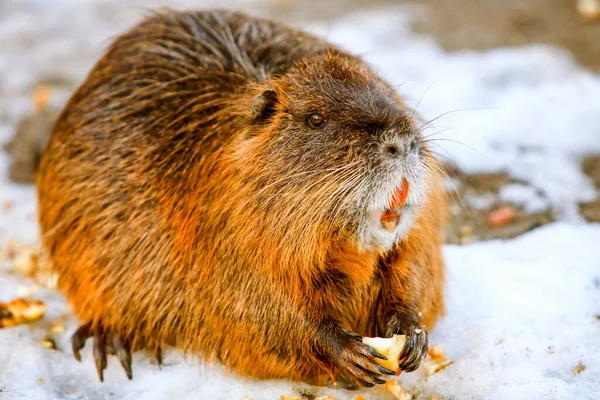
[521, 313]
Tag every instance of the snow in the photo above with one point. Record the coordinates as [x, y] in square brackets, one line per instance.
[479, 202]
[524, 195]
[522, 313]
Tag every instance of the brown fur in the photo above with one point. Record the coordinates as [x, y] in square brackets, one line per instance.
[173, 206]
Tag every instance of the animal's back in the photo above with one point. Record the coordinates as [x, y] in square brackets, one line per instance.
[172, 63]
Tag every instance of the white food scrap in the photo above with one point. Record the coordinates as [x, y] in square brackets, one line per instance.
[31, 262]
[437, 360]
[391, 348]
[433, 367]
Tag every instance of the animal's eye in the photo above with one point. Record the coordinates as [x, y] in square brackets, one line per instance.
[315, 120]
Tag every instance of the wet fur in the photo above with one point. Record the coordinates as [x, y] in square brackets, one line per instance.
[178, 206]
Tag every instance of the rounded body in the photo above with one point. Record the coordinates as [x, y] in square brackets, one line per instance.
[185, 199]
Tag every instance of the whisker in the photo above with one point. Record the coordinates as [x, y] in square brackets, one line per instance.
[451, 140]
[302, 173]
[397, 85]
[437, 132]
[423, 95]
[447, 158]
[345, 193]
[448, 113]
[439, 168]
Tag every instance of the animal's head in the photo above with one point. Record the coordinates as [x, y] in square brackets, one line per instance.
[338, 150]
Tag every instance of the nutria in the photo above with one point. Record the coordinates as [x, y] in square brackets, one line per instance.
[218, 183]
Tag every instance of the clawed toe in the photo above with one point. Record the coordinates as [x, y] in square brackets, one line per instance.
[104, 343]
[415, 350]
[99, 353]
[158, 356]
[78, 339]
[122, 351]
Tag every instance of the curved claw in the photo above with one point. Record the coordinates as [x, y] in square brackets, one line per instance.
[78, 339]
[106, 342]
[379, 380]
[414, 351]
[99, 353]
[158, 355]
[122, 351]
[357, 361]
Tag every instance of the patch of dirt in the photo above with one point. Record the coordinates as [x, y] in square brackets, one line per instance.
[28, 143]
[591, 166]
[470, 224]
[33, 130]
[591, 210]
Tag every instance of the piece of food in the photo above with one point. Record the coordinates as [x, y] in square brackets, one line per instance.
[41, 97]
[21, 311]
[432, 367]
[49, 344]
[25, 260]
[391, 348]
[437, 353]
[437, 360]
[27, 292]
[282, 397]
[578, 369]
[395, 388]
[31, 262]
[57, 327]
[501, 216]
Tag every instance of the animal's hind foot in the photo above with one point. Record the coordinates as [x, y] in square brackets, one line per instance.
[105, 342]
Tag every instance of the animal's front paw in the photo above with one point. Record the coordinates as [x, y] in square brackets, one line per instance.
[417, 341]
[355, 361]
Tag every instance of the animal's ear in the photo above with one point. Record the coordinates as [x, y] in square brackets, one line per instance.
[263, 105]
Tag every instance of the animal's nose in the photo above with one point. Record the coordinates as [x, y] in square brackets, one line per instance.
[393, 150]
